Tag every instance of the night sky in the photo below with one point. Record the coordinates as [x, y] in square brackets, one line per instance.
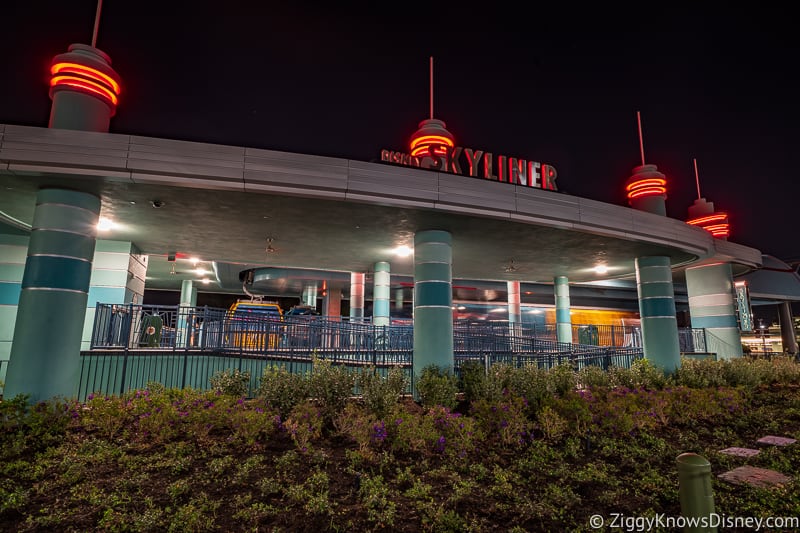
[718, 83]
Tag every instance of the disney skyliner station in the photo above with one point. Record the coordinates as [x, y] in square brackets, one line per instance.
[89, 218]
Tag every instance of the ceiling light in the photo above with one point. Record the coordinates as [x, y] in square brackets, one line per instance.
[403, 251]
[205, 281]
[194, 260]
[105, 224]
[201, 271]
[601, 269]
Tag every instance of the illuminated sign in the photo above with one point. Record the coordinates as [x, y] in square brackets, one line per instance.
[478, 164]
[743, 306]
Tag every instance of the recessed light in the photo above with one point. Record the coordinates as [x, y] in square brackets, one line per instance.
[105, 224]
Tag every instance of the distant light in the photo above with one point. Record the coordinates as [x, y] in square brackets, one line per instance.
[201, 271]
[105, 224]
[498, 310]
[205, 281]
[194, 260]
[403, 251]
[601, 269]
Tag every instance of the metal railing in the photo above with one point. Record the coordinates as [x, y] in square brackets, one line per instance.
[184, 346]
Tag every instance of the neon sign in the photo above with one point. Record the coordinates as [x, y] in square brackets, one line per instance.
[477, 164]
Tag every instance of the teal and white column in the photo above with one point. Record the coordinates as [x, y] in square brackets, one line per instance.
[118, 275]
[187, 288]
[45, 353]
[380, 294]
[563, 318]
[433, 300]
[310, 295]
[398, 299]
[13, 251]
[657, 312]
[712, 307]
[356, 296]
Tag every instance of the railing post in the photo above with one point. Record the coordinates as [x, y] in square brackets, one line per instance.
[695, 493]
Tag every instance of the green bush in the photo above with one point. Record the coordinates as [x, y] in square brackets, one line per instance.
[380, 393]
[331, 385]
[437, 386]
[231, 382]
[281, 389]
[473, 380]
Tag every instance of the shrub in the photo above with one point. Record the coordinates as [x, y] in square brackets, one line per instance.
[380, 394]
[473, 380]
[532, 383]
[592, 376]
[561, 379]
[332, 386]
[437, 386]
[231, 382]
[699, 374]
[282, 389]
[304, 425]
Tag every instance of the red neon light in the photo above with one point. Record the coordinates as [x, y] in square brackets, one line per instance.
[718, 230]
[649, 182]
[701, 221]
[85, 85]
[88, 72]
[646, 191]
[420, 145]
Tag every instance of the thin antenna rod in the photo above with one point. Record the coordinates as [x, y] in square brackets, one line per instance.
[431, 86]
[96, 23]
[641, 144]
[696, 177]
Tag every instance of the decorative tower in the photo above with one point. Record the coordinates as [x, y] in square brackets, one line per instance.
[84, 88]
[702, 214]
[647, 191]
[647, 187]
[432, 142]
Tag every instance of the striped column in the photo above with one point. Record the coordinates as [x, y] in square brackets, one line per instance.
[514, 305]
[118, 276]
[563, 319]
[356, 296]
[13, 251]
[380, 294]
[45, 354]
[310, 295]
[187, 287]
[433, 300]
[712, 307]
[657, 312]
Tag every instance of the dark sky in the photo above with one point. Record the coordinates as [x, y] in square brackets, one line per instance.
[560, 85]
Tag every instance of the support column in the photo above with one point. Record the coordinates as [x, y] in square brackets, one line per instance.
[380, 294]
[45, 353]
[332, 301]
[13, 251]
[433, 300]
[356, 296]
[514, 305]
[657, 312]
[310, 295]
[186, 301]
[398, 299]
[712, 307]
[118, 276]
[788, 337]
[563, 319]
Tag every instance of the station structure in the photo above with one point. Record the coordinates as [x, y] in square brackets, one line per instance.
[92, 216]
